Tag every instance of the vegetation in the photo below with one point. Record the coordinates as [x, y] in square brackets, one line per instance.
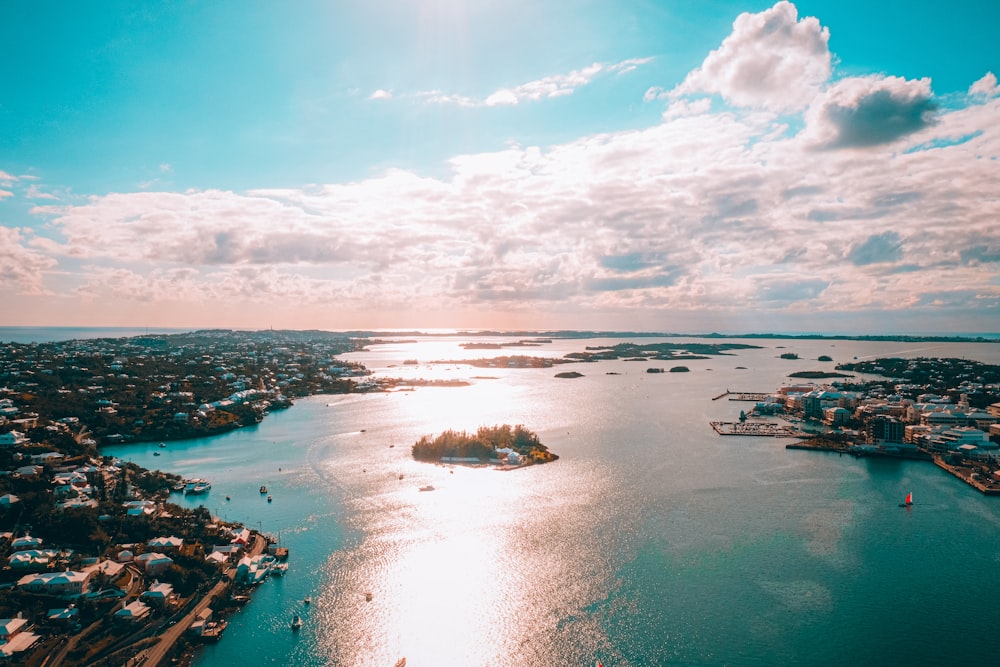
[482, 444]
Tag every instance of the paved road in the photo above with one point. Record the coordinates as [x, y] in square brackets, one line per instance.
[153, 656]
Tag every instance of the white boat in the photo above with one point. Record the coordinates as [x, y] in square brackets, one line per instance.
[279, 569]
[195, 486]
[296, 622]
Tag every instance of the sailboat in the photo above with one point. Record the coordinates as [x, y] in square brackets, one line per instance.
[908, 501]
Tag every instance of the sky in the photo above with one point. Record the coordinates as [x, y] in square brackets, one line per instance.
[645, 165]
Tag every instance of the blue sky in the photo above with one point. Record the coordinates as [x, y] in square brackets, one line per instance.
[680, 166]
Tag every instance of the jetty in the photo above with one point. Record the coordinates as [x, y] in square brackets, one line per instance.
[970, 475]
[749, 396]
[758, 428]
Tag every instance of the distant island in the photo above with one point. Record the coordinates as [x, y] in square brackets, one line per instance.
[503, 445]
[818, 375]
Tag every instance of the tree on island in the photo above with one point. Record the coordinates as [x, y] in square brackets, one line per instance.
[483, 444]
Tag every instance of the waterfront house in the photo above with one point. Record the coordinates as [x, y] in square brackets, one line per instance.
[240, 536]
[229, 552]
[60, 584]
[126, 556]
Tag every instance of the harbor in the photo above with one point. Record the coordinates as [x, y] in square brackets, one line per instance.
[758, 429]
[747, 396]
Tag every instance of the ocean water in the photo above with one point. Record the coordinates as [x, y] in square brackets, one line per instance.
[56, 334]
[652, 541]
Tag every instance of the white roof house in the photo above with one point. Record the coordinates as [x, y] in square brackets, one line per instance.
[133, 612]
[153, 562]
[166, 543]
[26, 542]
[65, 584]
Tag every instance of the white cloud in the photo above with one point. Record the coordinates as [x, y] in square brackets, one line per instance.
[557, 85]
[166, 167]
[381, 94]
[34, 192]
[6, 178]
[986, 86]
[6, 193]
[771, 60]
[712, 212]
[21, 268]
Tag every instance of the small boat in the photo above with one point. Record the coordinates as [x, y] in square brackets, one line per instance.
[296, 622]
[195, 486]
[429, 487]
[156, 453]
[263, 490]
[163, 444]
[228, 498]
[368, 596]
[269, 499]
[908, 501]
[279, 569]
[308, 600]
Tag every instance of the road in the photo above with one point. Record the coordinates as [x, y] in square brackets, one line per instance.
[155, 655]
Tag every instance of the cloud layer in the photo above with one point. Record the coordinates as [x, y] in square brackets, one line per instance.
[884, 201]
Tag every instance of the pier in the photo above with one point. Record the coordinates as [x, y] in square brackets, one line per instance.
[749, 396]
[971, 476]
[757, 428]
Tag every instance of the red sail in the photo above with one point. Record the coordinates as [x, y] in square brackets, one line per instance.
[909, 498]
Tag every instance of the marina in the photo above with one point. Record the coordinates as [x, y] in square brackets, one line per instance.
[758, 429]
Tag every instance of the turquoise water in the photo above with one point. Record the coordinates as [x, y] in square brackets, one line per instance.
[652, 541]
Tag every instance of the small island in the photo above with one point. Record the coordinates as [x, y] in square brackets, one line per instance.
[499, 445]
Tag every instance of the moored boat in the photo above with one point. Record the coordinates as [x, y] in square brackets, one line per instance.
[296, 622]
[194, 486]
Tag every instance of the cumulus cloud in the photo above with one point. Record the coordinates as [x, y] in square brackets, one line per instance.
[6, 178]
[772, 60]
[21, 268]
[986, 86]
[381, 94]
[701, 213]
[868, 111]
[707, 213]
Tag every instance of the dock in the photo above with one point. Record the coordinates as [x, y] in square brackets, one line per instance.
[758, 428]
[749, 396]
[988, 486]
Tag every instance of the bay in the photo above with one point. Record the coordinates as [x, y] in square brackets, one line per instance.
[652, 541]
